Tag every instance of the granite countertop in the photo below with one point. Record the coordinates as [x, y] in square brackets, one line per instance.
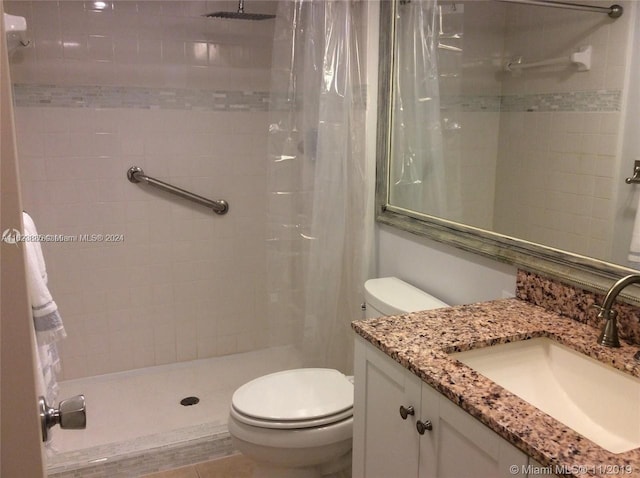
[422, 341]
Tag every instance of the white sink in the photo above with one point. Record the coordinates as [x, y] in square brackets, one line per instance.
[594, 399]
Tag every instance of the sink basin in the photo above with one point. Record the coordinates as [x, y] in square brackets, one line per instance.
[594, 399]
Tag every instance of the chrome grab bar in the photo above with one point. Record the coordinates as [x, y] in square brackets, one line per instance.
[136, 175]
[580, 58]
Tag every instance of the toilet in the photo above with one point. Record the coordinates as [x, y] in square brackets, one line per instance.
[299, 423]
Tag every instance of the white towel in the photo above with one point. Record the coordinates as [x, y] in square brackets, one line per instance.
[634, 247]
[46, 319]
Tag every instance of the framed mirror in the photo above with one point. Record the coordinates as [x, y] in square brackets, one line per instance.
[501, 132]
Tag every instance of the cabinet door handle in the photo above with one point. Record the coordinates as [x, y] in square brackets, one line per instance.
[424, 426]
[405, 412]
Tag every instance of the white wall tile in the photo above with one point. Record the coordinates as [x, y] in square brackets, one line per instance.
[145, 44]
[583, 144]
[174, 256]
[165, 353]
[100, 47]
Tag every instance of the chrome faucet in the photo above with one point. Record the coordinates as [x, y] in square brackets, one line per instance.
[609, 335]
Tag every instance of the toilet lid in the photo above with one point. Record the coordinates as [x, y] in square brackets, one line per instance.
[300, 395]
[292, 424]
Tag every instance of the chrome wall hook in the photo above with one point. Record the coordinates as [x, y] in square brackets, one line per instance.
[635, 179]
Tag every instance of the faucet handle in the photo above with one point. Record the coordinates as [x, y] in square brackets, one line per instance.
[600, 309]
[604, 313]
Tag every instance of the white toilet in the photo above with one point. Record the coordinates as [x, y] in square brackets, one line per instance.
[299, 423]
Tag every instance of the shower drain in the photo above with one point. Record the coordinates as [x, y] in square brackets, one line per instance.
[188, 401]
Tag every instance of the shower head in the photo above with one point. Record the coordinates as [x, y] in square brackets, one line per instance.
[240, 14]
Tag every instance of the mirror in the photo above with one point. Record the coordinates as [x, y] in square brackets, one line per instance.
[501, 132]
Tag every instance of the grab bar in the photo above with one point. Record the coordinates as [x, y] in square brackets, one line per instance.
[136, 175]
[580, 58]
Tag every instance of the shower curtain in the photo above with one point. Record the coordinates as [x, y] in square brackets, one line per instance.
[420, 169]
[318, 232]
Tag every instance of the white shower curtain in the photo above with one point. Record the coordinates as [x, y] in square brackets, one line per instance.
[318, 237]
[419, 166]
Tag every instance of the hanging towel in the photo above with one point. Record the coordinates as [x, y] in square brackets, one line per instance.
[47, 322]
[634, 247]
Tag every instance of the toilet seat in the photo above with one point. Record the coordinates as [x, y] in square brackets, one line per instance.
[291, 423]
[299, 398]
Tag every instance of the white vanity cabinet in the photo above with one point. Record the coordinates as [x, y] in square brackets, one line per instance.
[453, 443]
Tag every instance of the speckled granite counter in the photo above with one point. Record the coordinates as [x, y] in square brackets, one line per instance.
[422, 341]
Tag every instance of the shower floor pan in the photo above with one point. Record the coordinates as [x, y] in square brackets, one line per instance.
[136, 423]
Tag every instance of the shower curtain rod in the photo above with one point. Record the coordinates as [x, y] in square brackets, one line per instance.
[614, 11]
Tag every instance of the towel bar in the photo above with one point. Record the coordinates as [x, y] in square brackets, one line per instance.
[136, 175]
[581, 58]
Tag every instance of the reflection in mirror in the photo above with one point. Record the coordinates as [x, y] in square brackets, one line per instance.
[532, 153]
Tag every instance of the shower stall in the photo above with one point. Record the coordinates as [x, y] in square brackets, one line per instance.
[169, 307]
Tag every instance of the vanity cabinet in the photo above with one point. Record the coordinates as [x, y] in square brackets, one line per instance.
[387, 443]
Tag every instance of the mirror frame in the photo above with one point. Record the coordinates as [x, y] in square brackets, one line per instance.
[585, 272]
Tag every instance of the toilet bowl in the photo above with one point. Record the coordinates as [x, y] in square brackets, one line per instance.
[299, 423]
[295, 423]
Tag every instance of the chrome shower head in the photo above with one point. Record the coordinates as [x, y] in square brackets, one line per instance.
[240, 14]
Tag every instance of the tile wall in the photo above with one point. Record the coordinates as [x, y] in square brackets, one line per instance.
[143, 43]
[470, 108]
[560, 129]
[152, 84]
[533, 155]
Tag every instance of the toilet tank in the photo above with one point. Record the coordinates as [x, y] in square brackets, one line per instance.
[392, 296]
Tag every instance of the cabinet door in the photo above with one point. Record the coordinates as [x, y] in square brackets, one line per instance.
[460, 446]
[385, 445]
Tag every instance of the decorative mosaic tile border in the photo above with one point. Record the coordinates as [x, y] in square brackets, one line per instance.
[26, 95]
[472, 104]
[162, 452]
[138, 97]
[575, 303]
[575, 101]
[218, 100]
[72, 459]
[578, 101]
